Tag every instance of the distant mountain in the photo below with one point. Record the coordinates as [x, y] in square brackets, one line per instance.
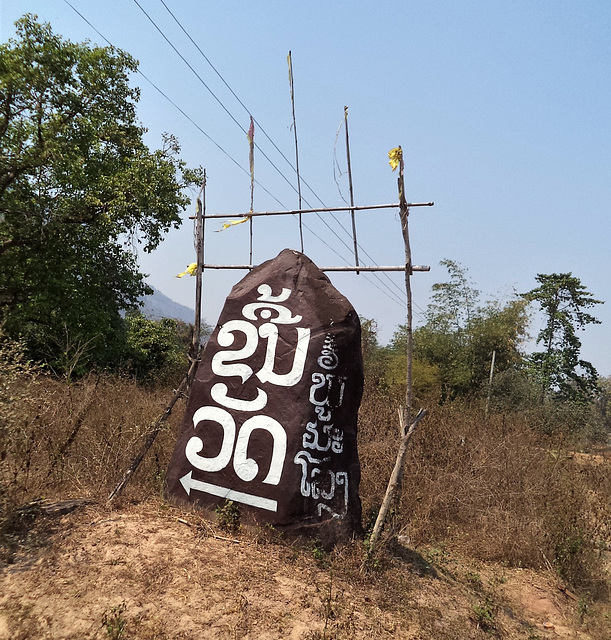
[158, 305]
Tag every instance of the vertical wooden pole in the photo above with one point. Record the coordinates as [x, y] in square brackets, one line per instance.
[292, 85]
[185, 385]
[490, 382]
[404, 216]
[356, 249]
[407, 427]
[199, 248]
[251, 162]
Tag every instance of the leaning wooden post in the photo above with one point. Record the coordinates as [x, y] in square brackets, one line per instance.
[397, 474]
[185, 385]
[394, 484]
[152, 434]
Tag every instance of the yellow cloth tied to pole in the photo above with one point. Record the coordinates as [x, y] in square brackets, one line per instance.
[394, 157]
[226, 225]
[191, 269]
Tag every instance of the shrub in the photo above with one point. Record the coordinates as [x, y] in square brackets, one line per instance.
[155, 350]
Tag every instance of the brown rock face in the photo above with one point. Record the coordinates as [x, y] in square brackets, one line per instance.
[271, 421]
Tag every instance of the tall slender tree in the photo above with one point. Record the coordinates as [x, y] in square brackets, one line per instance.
[558, 367]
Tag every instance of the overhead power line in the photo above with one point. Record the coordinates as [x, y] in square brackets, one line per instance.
[388, 292]
[197, 126]
[234, 119]
[260, 127]
[202, 81]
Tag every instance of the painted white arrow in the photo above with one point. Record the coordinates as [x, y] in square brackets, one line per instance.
[189, 483]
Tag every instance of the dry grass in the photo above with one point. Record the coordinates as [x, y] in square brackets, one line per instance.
[494, 491]
[77, 439]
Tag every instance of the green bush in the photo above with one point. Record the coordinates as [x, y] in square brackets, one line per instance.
[155, 349]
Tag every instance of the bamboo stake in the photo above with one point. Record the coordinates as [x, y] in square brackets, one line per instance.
[247, 267]
[291, 212]
[251, 161]
[396, 478]
[292, 85]
[490, 382]
[356, 250]
[404, 215]
[199, 252]
[185, 384]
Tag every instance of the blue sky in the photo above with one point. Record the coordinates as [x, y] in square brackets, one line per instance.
[501, 109]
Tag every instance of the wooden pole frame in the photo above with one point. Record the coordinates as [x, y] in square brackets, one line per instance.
[248, 267]
[404, 412]
[404, 215]
[255, 214]
[395, 483]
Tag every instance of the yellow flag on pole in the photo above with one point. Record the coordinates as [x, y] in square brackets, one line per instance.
[394, 157]
[191, 269]
[233, 223]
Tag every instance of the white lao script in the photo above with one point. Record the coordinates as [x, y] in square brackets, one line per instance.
[234, 362]
[322, 438]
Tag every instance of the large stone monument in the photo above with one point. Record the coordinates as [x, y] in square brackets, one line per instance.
[271, 421]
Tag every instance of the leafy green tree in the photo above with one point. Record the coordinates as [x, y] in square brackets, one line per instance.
[386, 367]
[459, 335]
[78, 190]
[452, 303]
[558, 368]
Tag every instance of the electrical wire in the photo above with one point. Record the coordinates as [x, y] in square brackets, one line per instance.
[321, 218]
[260, 127]
[389, 293]
[220, 102]
[197, 126]
[234, 94]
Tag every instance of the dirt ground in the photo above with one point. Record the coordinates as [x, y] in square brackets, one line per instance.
[151, 571]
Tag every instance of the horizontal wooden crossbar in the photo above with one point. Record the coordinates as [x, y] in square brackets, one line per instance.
[210, 216]
[248, 267]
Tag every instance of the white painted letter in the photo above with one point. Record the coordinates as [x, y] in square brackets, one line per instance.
[270, 331]
[225, 339]
[195, 444]
[219, 394]
[246, 468]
